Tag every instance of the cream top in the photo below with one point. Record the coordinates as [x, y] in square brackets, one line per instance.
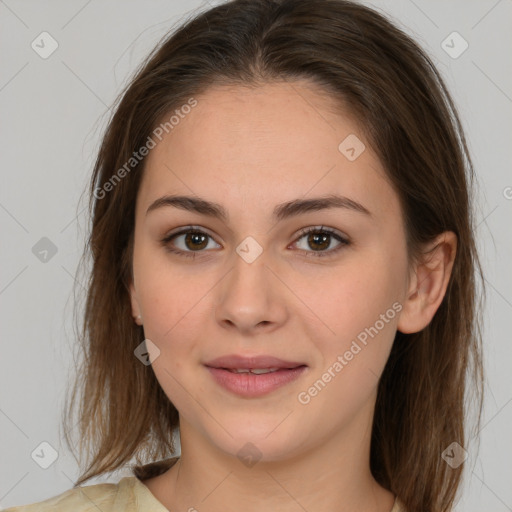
[128, 495]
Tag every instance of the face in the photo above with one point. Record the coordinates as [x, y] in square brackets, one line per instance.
[254, 283]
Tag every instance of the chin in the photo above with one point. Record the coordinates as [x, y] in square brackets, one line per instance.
[256, 444]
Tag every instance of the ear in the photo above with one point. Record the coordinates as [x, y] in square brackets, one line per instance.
[135, 305]
[428, 283]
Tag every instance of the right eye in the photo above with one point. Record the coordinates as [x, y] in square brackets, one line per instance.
[192, 241]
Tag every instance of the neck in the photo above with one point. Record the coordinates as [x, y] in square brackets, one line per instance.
[331, 477]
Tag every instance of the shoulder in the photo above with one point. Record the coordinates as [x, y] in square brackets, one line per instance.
[106, 497]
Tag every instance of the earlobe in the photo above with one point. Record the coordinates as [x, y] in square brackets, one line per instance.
[428, 284]
[135, 305]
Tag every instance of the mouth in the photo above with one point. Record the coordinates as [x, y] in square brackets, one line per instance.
[256, 376]
[256, 364]
[257, 371]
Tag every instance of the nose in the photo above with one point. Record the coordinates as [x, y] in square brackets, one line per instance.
[251, 298]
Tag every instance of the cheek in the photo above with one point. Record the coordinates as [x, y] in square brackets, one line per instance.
[170, 294]
[173, 317]
[363, 317]
[356, 297]
[360, 304]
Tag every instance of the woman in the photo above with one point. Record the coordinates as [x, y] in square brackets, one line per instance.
[283, 272]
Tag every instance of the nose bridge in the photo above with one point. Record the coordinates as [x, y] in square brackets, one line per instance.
[249, 294]
[248, 283]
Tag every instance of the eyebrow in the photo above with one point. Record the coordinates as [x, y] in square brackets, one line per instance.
[281, 211]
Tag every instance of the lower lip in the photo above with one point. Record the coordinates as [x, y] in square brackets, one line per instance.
[251, 385]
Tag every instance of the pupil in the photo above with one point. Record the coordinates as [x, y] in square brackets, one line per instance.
[313, 239]
[194, 238]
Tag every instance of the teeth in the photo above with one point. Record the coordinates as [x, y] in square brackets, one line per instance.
[257, 371]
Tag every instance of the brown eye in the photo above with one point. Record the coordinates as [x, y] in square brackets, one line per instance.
[195, 240]
[191, 242]
[187, 242]
[319, 240]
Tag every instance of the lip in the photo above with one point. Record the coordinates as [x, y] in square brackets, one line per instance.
[249, 385]
[234, 361]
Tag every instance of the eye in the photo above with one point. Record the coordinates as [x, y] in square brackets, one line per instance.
[320, 238]
[194, 240]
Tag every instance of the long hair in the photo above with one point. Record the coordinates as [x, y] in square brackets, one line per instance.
[371, 67]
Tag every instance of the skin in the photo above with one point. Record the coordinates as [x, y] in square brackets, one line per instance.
[250, 149]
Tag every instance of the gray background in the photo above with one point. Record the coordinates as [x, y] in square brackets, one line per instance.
[53, 113]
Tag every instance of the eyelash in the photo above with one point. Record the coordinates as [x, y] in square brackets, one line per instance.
[306, 231]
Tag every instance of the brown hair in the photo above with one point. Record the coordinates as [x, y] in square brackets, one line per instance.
[364, 61]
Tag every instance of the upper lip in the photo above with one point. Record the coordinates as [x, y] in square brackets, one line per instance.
[235, 361]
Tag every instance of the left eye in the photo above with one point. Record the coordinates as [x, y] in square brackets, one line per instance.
[319, 239]
[195, 241]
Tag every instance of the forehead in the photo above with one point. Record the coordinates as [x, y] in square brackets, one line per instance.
[270, 123]
[279, 141]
